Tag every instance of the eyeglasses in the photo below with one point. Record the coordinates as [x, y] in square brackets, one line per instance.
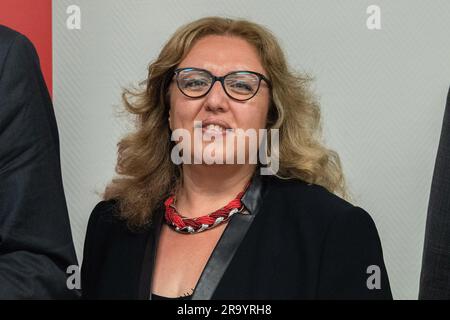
[238, 85]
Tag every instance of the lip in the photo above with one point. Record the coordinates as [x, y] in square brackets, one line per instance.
[218, 122]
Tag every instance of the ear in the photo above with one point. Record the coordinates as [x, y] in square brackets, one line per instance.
[169, 120]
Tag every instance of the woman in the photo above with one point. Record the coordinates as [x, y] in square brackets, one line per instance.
[196, 230]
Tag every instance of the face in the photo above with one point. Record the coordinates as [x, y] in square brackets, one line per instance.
[220, 55]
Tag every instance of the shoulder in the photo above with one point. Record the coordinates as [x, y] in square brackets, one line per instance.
[15, 45]
[8, 36]
[106, 221]
[105, 210]
[104, 214]
[313, 208]
[307, 200]
[104, 226]
[19, 67]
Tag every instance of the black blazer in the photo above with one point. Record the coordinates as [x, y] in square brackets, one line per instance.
[298, 241]
[35, 238]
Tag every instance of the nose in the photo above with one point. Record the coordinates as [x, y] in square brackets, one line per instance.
[216, 99]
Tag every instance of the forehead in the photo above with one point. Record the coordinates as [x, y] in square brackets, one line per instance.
[223, 54]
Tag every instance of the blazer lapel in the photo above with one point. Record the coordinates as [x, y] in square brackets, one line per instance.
[229, 242]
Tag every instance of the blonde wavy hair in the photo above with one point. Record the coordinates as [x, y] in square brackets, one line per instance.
[146, 174]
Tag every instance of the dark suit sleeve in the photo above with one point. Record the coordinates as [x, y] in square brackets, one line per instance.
[435, 274]
[352, 265]
[35, 238]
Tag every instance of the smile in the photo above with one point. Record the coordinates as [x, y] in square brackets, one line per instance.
[215, 129]
[210, 127]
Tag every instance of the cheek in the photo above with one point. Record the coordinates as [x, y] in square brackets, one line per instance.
[181, 113]
[263, 112]
[254, 116]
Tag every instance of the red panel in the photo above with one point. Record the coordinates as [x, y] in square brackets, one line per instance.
[32, 18]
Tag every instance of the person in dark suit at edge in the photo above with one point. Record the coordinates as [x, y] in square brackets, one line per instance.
[36, 244]
[169, 230]
[435, 273]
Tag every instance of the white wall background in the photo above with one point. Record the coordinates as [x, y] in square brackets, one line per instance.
[382, 94]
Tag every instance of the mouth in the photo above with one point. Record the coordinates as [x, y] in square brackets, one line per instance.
[215, 127]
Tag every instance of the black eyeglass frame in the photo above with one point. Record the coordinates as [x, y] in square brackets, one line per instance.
[221, 80]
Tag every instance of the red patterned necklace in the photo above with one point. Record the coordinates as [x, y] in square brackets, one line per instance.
[186, 225]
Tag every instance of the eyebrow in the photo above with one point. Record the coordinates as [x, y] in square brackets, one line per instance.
[228, 72]
[239, 67]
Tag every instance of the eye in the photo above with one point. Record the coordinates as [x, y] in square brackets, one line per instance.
[240, 86]
[195, 84]
[242, 83]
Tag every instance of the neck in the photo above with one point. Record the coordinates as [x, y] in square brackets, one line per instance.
[208, 188]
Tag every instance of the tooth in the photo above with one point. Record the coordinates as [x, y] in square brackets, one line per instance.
[215, 127]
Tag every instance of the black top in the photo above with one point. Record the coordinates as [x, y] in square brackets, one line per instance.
[297, 241]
